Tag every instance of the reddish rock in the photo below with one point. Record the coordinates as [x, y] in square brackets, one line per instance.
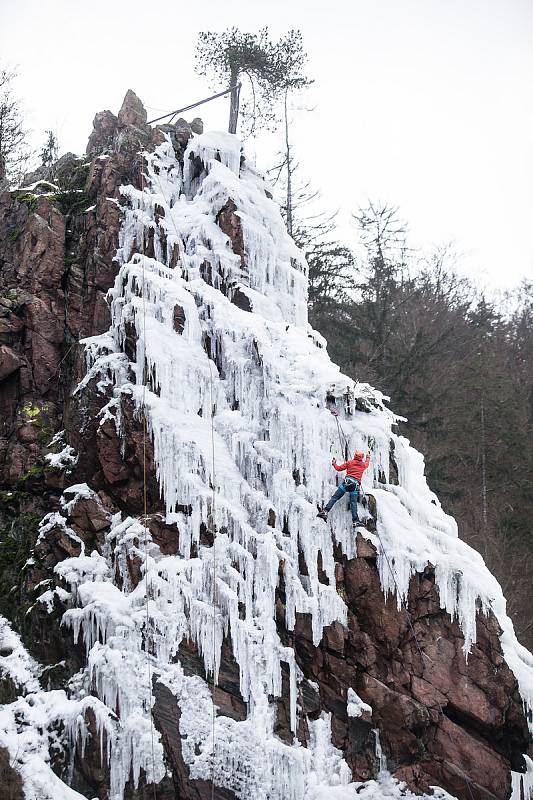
[132, 111]
[101, 138]
[10, 362]
[466, 758]
[197, 126]
[109, 454]
[179, 319]
[230, 223]
[10, 779]
[164, 535]
[167, 720]
[88, 515]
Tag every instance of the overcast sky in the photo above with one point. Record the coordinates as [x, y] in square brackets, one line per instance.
[425, 104]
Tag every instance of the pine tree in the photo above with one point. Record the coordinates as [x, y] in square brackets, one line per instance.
[271, 69]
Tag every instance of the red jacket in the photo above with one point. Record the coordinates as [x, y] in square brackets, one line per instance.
[354, 468]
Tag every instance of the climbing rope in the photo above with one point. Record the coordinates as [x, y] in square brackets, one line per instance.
[145, 502]
[72, 346]
[172, 114]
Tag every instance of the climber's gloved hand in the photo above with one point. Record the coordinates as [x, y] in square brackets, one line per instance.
[333, 461]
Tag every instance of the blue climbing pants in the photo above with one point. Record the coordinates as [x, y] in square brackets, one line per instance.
[352, 489]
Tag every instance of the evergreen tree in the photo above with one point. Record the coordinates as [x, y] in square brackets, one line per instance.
[271, 69]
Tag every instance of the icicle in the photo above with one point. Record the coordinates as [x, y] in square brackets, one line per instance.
[380, 757]
[522, 782]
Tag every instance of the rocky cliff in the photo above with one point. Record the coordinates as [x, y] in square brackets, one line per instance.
[181, 623]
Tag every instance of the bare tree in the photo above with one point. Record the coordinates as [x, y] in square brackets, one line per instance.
[14, 151]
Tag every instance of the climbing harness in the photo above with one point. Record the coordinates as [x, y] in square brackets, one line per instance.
[351, 484]
[172, 114]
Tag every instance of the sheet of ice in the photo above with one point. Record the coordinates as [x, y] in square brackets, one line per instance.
[208, 147]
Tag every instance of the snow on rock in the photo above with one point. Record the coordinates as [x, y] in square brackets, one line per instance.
[48, 598]
[356, 706]
[66, 458]
[385, 788]
[56, 520]
[15, 662]
[74, 493]
[28, 730]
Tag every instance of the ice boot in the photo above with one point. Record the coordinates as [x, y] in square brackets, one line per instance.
[323, 514]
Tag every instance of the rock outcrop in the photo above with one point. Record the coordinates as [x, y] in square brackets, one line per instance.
[443, 720]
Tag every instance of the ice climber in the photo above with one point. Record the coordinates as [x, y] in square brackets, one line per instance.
[351, 484]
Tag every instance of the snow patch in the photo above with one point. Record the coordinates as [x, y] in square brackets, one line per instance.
[355, 706]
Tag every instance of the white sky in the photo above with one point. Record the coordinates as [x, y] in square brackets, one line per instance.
[425, 104]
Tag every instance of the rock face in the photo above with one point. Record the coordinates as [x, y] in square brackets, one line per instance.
[442, 720]
[57, 254]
